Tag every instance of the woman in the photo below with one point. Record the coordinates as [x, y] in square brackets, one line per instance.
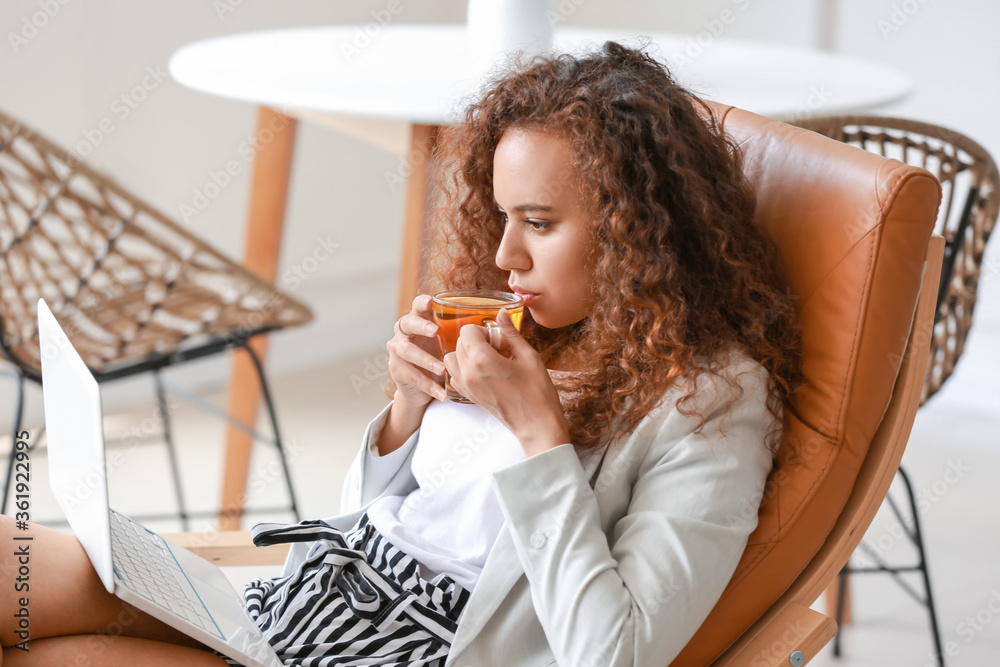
[588, 508]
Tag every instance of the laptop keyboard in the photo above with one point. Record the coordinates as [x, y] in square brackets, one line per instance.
[146, 566]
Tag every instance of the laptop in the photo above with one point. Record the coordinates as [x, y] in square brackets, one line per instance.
[153, 574]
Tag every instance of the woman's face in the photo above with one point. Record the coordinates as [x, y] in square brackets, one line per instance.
[547, 234]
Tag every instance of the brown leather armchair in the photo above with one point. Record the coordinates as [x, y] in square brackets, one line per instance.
[853, 231]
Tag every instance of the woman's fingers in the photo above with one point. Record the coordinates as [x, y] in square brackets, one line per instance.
[415, 347]
[412, 325]
[420, 320]
[478, 342]
[414, 363]
[423, 304]
[474, 358]
[416, 355]
[405, 373]
[454, 371]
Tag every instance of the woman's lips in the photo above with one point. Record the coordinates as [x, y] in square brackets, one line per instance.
[527, 297]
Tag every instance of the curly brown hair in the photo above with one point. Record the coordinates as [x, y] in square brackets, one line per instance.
[682, 273]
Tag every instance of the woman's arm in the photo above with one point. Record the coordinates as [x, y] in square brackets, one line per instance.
[402, 423]
[638, 597]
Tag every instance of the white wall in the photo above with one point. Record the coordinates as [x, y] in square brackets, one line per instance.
[67, 77]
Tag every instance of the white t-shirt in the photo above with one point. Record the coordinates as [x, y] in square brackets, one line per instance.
[449, 523]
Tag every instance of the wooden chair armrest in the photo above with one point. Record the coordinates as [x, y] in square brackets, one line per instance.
[229, 547]
[774, 640]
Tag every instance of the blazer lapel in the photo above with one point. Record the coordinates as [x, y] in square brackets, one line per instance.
[502, 570]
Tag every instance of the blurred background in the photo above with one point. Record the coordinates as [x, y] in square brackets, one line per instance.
[66, 73]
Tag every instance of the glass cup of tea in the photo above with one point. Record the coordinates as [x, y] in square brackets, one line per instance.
[455, 308]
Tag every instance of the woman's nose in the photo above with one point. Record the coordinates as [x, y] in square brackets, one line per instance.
[511, 255]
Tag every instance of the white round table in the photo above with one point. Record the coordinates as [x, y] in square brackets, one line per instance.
[394, 85]
[420, 73]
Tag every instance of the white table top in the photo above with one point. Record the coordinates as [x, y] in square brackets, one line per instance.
[421, 73]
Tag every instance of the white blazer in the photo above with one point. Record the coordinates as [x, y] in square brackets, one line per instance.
[621, 574]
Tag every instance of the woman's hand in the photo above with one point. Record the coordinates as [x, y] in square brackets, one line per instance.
[414, 362]
[516, 390]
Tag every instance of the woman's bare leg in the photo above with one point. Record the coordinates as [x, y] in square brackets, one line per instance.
[107, 651]
[64, 594]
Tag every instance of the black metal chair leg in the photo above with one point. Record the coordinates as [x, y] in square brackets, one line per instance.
[277, 434]
[841, 593]
[18, 416]
[918, 541]
[161, 400]
[916, 537]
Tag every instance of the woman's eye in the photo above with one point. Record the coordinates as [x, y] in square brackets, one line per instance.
[537, 225]
[503, 217]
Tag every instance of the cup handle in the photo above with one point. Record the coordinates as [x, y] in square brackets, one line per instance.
[494, 334]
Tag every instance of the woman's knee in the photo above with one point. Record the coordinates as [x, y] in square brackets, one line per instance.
[48, 585]
[107, 651]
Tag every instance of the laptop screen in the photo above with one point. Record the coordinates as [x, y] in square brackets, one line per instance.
[73, 422]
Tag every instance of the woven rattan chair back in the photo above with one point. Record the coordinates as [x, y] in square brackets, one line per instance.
[128, 284]
[971, 200]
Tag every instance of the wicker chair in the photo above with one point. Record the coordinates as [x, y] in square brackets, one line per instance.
[135, 291]
[971, 200]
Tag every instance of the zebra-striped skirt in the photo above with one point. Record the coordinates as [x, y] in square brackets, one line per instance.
[355, 600]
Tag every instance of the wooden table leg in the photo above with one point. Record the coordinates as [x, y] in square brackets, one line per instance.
[423, 139]
[268, 196]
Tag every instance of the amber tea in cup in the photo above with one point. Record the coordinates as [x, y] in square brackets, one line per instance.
[456, 308]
